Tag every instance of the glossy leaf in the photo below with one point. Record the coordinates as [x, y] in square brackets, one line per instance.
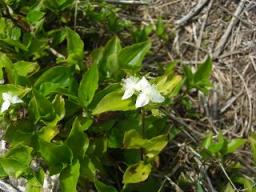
[102, 187]
[77, 140]
[17, 160]
[155, 145]
[88, 85]
[75, 47]
[131, 57]
[109, 64]
[204, 71]
[33, 185]
[137, 173]
[234, 144]
[59, 106]
[57, 156]
[133, 140]
[41, 108]
[69, 177]
[113, 102]
[58, 74]
[25, 68]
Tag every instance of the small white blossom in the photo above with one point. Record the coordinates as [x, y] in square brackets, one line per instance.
[8, 99]
[1, 81]
[130, 86]
[146, 92]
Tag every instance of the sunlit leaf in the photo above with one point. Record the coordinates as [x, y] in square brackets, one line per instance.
[137, 173]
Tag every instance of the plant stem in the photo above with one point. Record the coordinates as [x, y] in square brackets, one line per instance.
[142, 122]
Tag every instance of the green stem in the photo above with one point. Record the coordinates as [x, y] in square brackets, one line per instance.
[142, 122]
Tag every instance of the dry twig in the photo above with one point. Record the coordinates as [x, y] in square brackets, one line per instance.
[195, 11]
[224, 39]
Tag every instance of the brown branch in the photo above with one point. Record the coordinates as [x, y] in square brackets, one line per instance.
[195, 11]
[224, 39]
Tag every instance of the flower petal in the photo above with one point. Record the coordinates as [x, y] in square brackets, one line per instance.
[130, 86]
[128, 93]
[142, 100]
[5, 106]
[155, 96]
[143, 84]
[6, 96]
[130, 82]
[15, 99]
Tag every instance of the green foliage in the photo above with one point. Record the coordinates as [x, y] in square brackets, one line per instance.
[221, 146]
[199, 79]
[131, 57]
[137, 173]
[69, 177]
[16, 161]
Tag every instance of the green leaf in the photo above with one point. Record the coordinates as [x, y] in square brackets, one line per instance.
[41, 108]
[189, 76]
[33, 185]
[69, 177]
[170, 87]
[77, 140]
[88, 85]
[207, 141]
[14, 89]
[131, 57]
[48, 132]
[14, 43]
[57, 5]
[113, 102]
[137, 173]
[217, 146]
[109, 64]
[252, 140]
[248, 184]
[102, 187]
[133, 140]
[5, 62]
[88, 169]
[19, 132]
[59, 106]
[25, 68]
[204, 71]
[155, 145]
[229, 188]
[17, 160]
[34, 16]
[59, 74]
[57, 156]
[3, 174]
[199, 187]
[75, 48]
[234, 144]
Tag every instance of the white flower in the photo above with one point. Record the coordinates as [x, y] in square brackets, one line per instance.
[2, 81]
[130, 86]
[8, 99]
[146, 92]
